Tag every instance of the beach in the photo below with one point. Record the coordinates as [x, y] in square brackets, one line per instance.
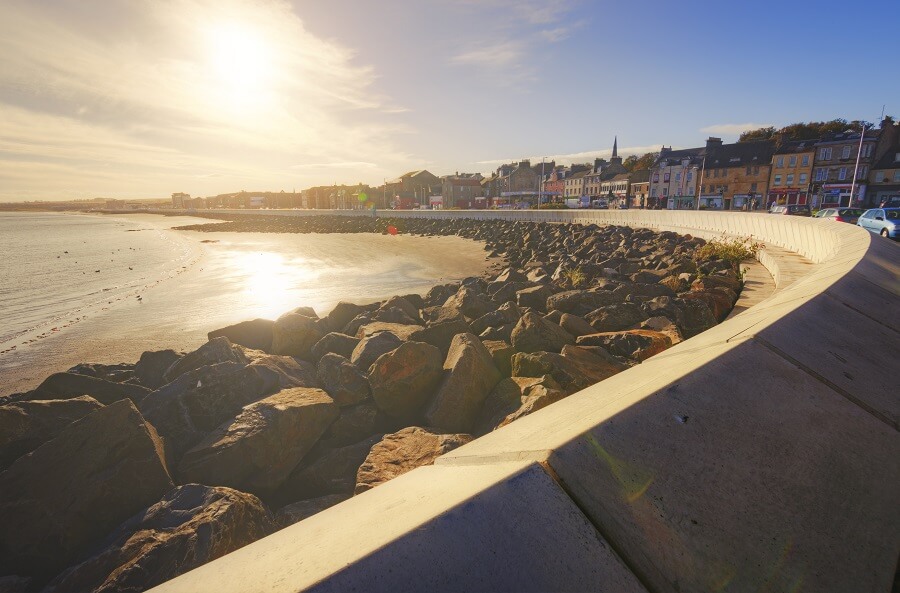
[183, 284]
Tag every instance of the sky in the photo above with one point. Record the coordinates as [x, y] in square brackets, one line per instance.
[143, 98]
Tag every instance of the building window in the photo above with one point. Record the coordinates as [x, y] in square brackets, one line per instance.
[866, 151]
[842, 173]
[666, 177]
[690, 175]
[825, 154]
[749, 168]
[656, 178]
[778, 180]
[879, 176]
[845, 152]
[821, 174]
[778, 163]
[897, 176]
[753, 187]
[665, 191]
[863, 169]
[790, 179]
[652, 192]
[802, 178]
[678, 176]
[805, 160]
[793, 161]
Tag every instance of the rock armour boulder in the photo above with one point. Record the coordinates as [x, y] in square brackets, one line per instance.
[74, 489]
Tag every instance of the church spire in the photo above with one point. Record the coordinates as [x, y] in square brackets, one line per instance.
[615, 146]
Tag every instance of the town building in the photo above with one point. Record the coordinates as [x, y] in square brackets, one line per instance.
[835, 162]
[514, 185]
[574, 185]
[884, 178]
[675, 176]
[639, 189]
[615, 190]
[411, 189]
[790, 179]
[736, 176]
[462, 190]
[178, 200]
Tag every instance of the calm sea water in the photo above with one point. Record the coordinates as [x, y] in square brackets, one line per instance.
[87, 288]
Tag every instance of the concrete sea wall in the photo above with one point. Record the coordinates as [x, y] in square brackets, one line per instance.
[761, 455]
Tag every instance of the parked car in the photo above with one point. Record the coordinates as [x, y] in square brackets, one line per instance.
[850, 215]
[883, 221]
[791, 210]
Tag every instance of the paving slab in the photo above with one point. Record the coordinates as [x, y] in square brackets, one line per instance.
[502, 527]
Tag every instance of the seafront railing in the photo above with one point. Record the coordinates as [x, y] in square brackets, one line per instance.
[762, 454]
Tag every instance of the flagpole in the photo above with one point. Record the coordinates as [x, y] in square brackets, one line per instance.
[855, 169]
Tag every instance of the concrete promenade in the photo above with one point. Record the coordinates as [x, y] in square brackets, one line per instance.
[761, 455]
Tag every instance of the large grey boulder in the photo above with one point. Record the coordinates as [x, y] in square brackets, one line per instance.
[574, 369]
[341, 315]
[369, 349]
[260, 447]
[193, 405]
[25, 425]
[470, 374]
[343, 381]
[357, 423]
[213, 352]
[69, 385]
[404, 380]
[332, 472]
[615, 317]
[469, 303]
[581, 302]
[404, 451]
[190, 526]
[70, 492]
[335, 343]
[295, 334]
[533, 333]
[255, 334]
[152, 366]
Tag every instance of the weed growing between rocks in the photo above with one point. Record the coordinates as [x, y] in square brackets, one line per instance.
[733, 250]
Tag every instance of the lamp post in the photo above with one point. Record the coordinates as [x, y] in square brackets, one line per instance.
[856, 168]
[700, 186]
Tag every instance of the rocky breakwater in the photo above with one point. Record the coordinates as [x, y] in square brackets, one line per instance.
[119, 477]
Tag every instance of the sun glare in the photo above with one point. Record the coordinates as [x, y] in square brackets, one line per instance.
[241, 64]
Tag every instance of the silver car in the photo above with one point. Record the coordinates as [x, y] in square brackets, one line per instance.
[883, 221]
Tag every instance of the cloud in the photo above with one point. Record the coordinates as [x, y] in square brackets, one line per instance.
[340, 165]
[496, 56]
[179, 95]
[577, 157]
[732, 129]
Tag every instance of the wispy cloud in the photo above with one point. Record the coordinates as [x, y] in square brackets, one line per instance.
[732, 129]
[339, 165]
[179, 95]
[494, 55]
[508, 50]
[577, 157]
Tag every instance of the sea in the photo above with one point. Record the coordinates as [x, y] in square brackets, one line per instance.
[105, 288]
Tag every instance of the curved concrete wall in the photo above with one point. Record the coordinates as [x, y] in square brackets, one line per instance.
[761, 455]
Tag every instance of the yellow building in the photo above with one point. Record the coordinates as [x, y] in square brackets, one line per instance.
[790, 180]
[736, 176]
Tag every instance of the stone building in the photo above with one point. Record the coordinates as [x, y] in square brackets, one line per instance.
[462, 190]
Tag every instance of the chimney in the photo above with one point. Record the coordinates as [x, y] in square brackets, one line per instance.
[664, 151]
[598, 164]
[713, 142]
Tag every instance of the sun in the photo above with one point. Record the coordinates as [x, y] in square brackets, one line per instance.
[241, 63]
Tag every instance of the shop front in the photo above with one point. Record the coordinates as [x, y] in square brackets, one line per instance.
[834, 195]
[787, 195]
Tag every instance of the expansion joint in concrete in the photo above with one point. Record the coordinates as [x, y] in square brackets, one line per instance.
[834, 387]
[607, 537]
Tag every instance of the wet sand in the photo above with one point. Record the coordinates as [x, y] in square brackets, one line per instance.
[239, 276]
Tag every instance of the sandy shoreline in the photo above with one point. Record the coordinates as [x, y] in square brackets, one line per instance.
[241, 276]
